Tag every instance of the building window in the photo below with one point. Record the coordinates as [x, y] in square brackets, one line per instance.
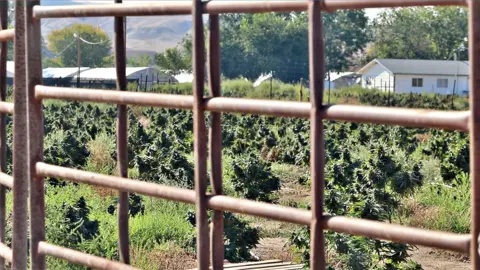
[417, 82]
[442, 83]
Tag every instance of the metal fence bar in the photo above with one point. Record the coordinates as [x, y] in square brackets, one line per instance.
[3, 123]
[317, 152]
[474, 53]
[7, 34]
[216, 235]
[451, 120]
[199, 136]
[20, 158]
[122, 138]
[81, 258]
[6, 253]
[354, 226]
[35, 135]
[29, 152]
[6, 181]
[6, 107]
[214, 7]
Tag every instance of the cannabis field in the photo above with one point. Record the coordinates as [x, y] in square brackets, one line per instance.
[393, 174]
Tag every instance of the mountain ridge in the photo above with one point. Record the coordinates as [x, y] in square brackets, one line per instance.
[145, 35]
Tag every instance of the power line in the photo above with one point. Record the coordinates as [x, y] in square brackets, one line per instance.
[69, 45]
[81, 39]
[88, 42]
[92, 43]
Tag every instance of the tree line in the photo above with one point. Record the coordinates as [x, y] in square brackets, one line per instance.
[252, 44]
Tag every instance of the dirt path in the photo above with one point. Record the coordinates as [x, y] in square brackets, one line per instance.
[431, 259]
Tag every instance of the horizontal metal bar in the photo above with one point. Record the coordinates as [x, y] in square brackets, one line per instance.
[454, 120]
[219, 7]
[6, 107]
[354, 226]
[81, 258]
[399, 233]
[6, 180]
[114, 97]
[6, 35]
[6, 252]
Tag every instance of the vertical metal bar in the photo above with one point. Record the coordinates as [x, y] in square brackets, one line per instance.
[317, 74]
[216, 235]
[199, 133]
[3, 120]
[122, 136]
[474, 51]
[35, 134]
[20, 158]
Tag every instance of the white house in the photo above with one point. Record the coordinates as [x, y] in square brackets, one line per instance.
[416, 76]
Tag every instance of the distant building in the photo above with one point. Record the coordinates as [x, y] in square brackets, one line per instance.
[184, 77]
[416, 76]
[97, 77]
[340, 80]
[144, 76]
[61, 72]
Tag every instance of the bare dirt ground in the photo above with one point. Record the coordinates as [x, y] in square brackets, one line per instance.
[273, 245]
[431, 259]
[273, 248]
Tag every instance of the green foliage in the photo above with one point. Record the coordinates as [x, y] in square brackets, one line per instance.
[450, 205]
[370, 178]
[139, 61]
[252, 178]
[420, 33]
[253, 44]
[241, 238]
[173, 61]
[91, 55]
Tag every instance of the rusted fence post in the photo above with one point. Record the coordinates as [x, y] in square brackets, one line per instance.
[35, 135]
[3, 121]
[122, 138]
[20, 144]
[199, 133]
[317, 155]
[474, 53]
[216, 236]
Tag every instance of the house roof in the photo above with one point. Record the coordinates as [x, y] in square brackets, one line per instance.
[108, 73]
[337, 75]
[64, 72]
[421, 67]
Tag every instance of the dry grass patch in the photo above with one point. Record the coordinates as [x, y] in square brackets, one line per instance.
[167, 256]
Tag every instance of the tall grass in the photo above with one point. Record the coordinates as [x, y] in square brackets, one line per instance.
[438, 206]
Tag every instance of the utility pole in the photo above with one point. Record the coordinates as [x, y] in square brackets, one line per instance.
[79, 56]
[271, 86]
[329, 80]
[301, 89]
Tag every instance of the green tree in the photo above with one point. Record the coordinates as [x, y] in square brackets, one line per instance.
[346, 32]
[173, 60]
[95, 47]
[255, 44]
[420, 33]
[139, 61]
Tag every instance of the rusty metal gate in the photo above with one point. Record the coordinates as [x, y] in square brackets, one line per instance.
[29, 169]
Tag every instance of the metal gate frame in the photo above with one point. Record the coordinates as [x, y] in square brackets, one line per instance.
[29, 168]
